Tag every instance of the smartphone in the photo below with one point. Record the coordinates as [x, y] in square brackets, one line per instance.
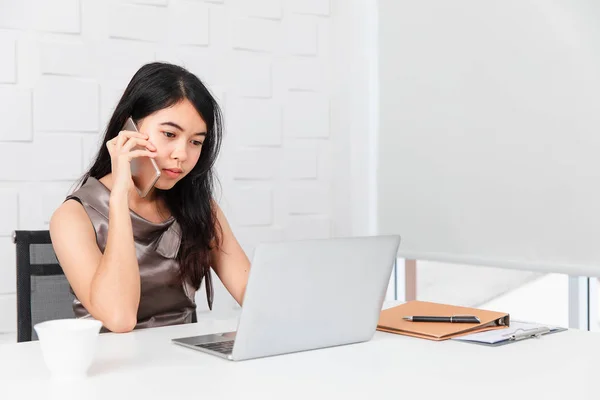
[144, 170]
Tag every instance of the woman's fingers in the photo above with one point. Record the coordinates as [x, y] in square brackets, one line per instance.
[124, 137]
[121, 139]
[135, 142]
[140, 153]
[131, 134]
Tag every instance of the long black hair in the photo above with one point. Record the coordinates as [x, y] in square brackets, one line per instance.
[156, 86]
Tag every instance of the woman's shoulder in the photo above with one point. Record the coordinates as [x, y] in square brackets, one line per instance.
[69, 208]
[92, 194]
[85, 204]
[69, 216]
[74, 205]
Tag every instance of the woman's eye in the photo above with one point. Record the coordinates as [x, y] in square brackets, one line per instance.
[169, 134]
[196, 143]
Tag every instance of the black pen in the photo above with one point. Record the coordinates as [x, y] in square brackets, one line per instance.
[465, 319]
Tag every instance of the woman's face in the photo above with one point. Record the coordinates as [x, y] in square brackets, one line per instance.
[178, 133]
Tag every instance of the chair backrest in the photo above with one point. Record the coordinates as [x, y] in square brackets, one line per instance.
[43, 292]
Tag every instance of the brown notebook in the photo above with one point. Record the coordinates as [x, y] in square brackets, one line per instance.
[391, 320]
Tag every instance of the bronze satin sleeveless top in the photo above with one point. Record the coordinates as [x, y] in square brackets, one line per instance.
[164, 300]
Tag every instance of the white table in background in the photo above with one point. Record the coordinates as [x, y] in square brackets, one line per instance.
[145, 365]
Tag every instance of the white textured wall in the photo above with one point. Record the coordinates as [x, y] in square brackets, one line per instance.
[63, 64]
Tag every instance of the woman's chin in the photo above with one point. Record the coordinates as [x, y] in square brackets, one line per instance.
[164, 184]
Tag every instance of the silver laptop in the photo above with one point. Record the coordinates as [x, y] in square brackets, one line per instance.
[307, 295]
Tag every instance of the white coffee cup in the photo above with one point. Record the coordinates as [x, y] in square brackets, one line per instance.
[68, 346]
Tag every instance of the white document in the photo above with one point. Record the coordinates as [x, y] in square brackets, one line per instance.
[516, 331]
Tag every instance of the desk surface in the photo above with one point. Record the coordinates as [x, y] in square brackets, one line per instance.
[145, 364]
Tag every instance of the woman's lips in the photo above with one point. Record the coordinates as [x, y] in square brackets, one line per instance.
[172, 173]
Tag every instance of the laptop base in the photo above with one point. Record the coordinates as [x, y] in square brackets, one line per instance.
[219, 344]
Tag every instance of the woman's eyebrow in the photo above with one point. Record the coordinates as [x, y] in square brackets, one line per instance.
[174, 125]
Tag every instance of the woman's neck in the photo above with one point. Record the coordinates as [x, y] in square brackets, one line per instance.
[150, 207]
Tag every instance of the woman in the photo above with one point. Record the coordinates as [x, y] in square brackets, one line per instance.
[140, 261]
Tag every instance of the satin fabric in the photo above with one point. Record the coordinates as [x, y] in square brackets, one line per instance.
[164, 300]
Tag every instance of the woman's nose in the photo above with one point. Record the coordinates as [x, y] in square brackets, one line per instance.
[180, 153]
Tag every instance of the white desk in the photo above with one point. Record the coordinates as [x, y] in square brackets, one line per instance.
[145, 365]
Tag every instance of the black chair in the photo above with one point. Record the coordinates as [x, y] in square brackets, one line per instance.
[43, 292]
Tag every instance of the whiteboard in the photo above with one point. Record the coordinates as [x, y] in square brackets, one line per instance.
[489, 132]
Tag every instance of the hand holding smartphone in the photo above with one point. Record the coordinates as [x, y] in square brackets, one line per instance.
[144, 170]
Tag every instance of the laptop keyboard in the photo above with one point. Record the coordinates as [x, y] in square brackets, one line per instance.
[219, 347]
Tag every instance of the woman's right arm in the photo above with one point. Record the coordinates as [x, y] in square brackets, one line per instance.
[107, 284]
